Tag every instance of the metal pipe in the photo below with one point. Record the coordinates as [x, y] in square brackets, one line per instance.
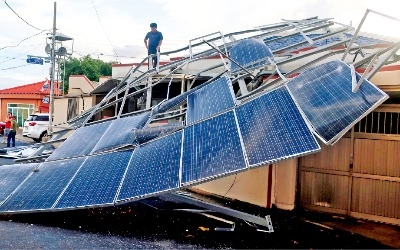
[355, 35]
[53, 65]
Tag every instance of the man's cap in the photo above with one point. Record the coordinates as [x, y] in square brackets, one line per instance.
[153, 25]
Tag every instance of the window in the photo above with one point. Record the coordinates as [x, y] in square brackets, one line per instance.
[44, 118]
[21, 111]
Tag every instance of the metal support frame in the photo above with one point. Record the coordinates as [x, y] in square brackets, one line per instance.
[187, 198]
[360, 25]
[243, 87]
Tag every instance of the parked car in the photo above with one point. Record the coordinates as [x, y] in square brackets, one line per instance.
[36, 126]
[26, 125]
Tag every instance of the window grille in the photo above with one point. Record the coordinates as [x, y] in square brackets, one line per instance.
[380, 122]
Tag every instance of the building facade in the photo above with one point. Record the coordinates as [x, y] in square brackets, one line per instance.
[21, 101]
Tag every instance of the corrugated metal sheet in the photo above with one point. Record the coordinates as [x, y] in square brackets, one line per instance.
[377, 157]
[335, 157]
[376, 197]
[325, 190]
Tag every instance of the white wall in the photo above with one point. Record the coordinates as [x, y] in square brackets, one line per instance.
[60, 110]
[79, 84]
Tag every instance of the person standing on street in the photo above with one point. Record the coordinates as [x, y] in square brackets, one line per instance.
[7, 127]
[155, 39]
[13, 132]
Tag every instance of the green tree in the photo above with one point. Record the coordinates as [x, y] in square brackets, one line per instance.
[88, 66]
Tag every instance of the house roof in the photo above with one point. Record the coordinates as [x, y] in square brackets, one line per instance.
[105, 87]
[37, 88]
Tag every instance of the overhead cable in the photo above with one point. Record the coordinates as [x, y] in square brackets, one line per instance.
[103, 28]
[22, 40]
[5, 1]
[23, 65]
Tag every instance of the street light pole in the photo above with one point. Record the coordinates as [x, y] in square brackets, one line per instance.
[53, 67]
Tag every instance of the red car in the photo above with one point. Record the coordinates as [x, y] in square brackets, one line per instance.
[2, 126]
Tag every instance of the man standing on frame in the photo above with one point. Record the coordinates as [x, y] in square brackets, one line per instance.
[155, 38]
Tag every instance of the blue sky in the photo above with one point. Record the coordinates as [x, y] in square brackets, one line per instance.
[113, 30]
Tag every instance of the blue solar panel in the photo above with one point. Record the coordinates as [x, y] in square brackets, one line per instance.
[250, 54]
[42, 188]
[294, 39]
[273, 129]
[209, 100]
[97, 181]
[324, 95]
[146, 134]
[11, 176]
[81, 142]
[154, 168]
[211, 148]
[173, 102]
[119, 133]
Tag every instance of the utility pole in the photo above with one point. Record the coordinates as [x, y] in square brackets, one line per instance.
[53, 67]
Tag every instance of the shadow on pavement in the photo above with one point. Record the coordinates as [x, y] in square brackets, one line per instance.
[139, 221]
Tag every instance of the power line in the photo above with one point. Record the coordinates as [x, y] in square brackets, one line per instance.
[22, 40]
[5, 1]
[83, 53]
[15, 57]
[23, 65]
[98, 17]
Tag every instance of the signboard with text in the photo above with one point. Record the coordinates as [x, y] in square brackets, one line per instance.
[35, 60]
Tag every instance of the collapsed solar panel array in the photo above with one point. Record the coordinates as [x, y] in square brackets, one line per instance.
[222, 136]
[122, 160]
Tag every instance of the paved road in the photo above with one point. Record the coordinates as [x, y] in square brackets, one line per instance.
[29, 236]
[139, 226]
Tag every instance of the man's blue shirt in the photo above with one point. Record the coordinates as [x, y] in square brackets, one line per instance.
[154, 39]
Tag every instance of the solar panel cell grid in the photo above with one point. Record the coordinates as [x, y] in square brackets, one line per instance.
[211, 148]
[324, 95]
[97, 181]
[154, 168]
[81, 142]
[11, 176]
[250, 54]
[273, 129]
[42, 188]
[119, 133]
[209, 100]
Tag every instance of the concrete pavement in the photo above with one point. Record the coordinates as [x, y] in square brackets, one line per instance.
[383, 233]
[19, 137]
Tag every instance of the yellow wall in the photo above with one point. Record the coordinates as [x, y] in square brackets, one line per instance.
[253, 186]
[285, 176]
[79, 85]
[250, 186]
[386, 78]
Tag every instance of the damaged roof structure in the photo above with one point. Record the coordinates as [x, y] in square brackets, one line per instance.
[279, 91]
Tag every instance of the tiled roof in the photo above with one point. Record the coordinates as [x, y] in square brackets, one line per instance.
[33, 88]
